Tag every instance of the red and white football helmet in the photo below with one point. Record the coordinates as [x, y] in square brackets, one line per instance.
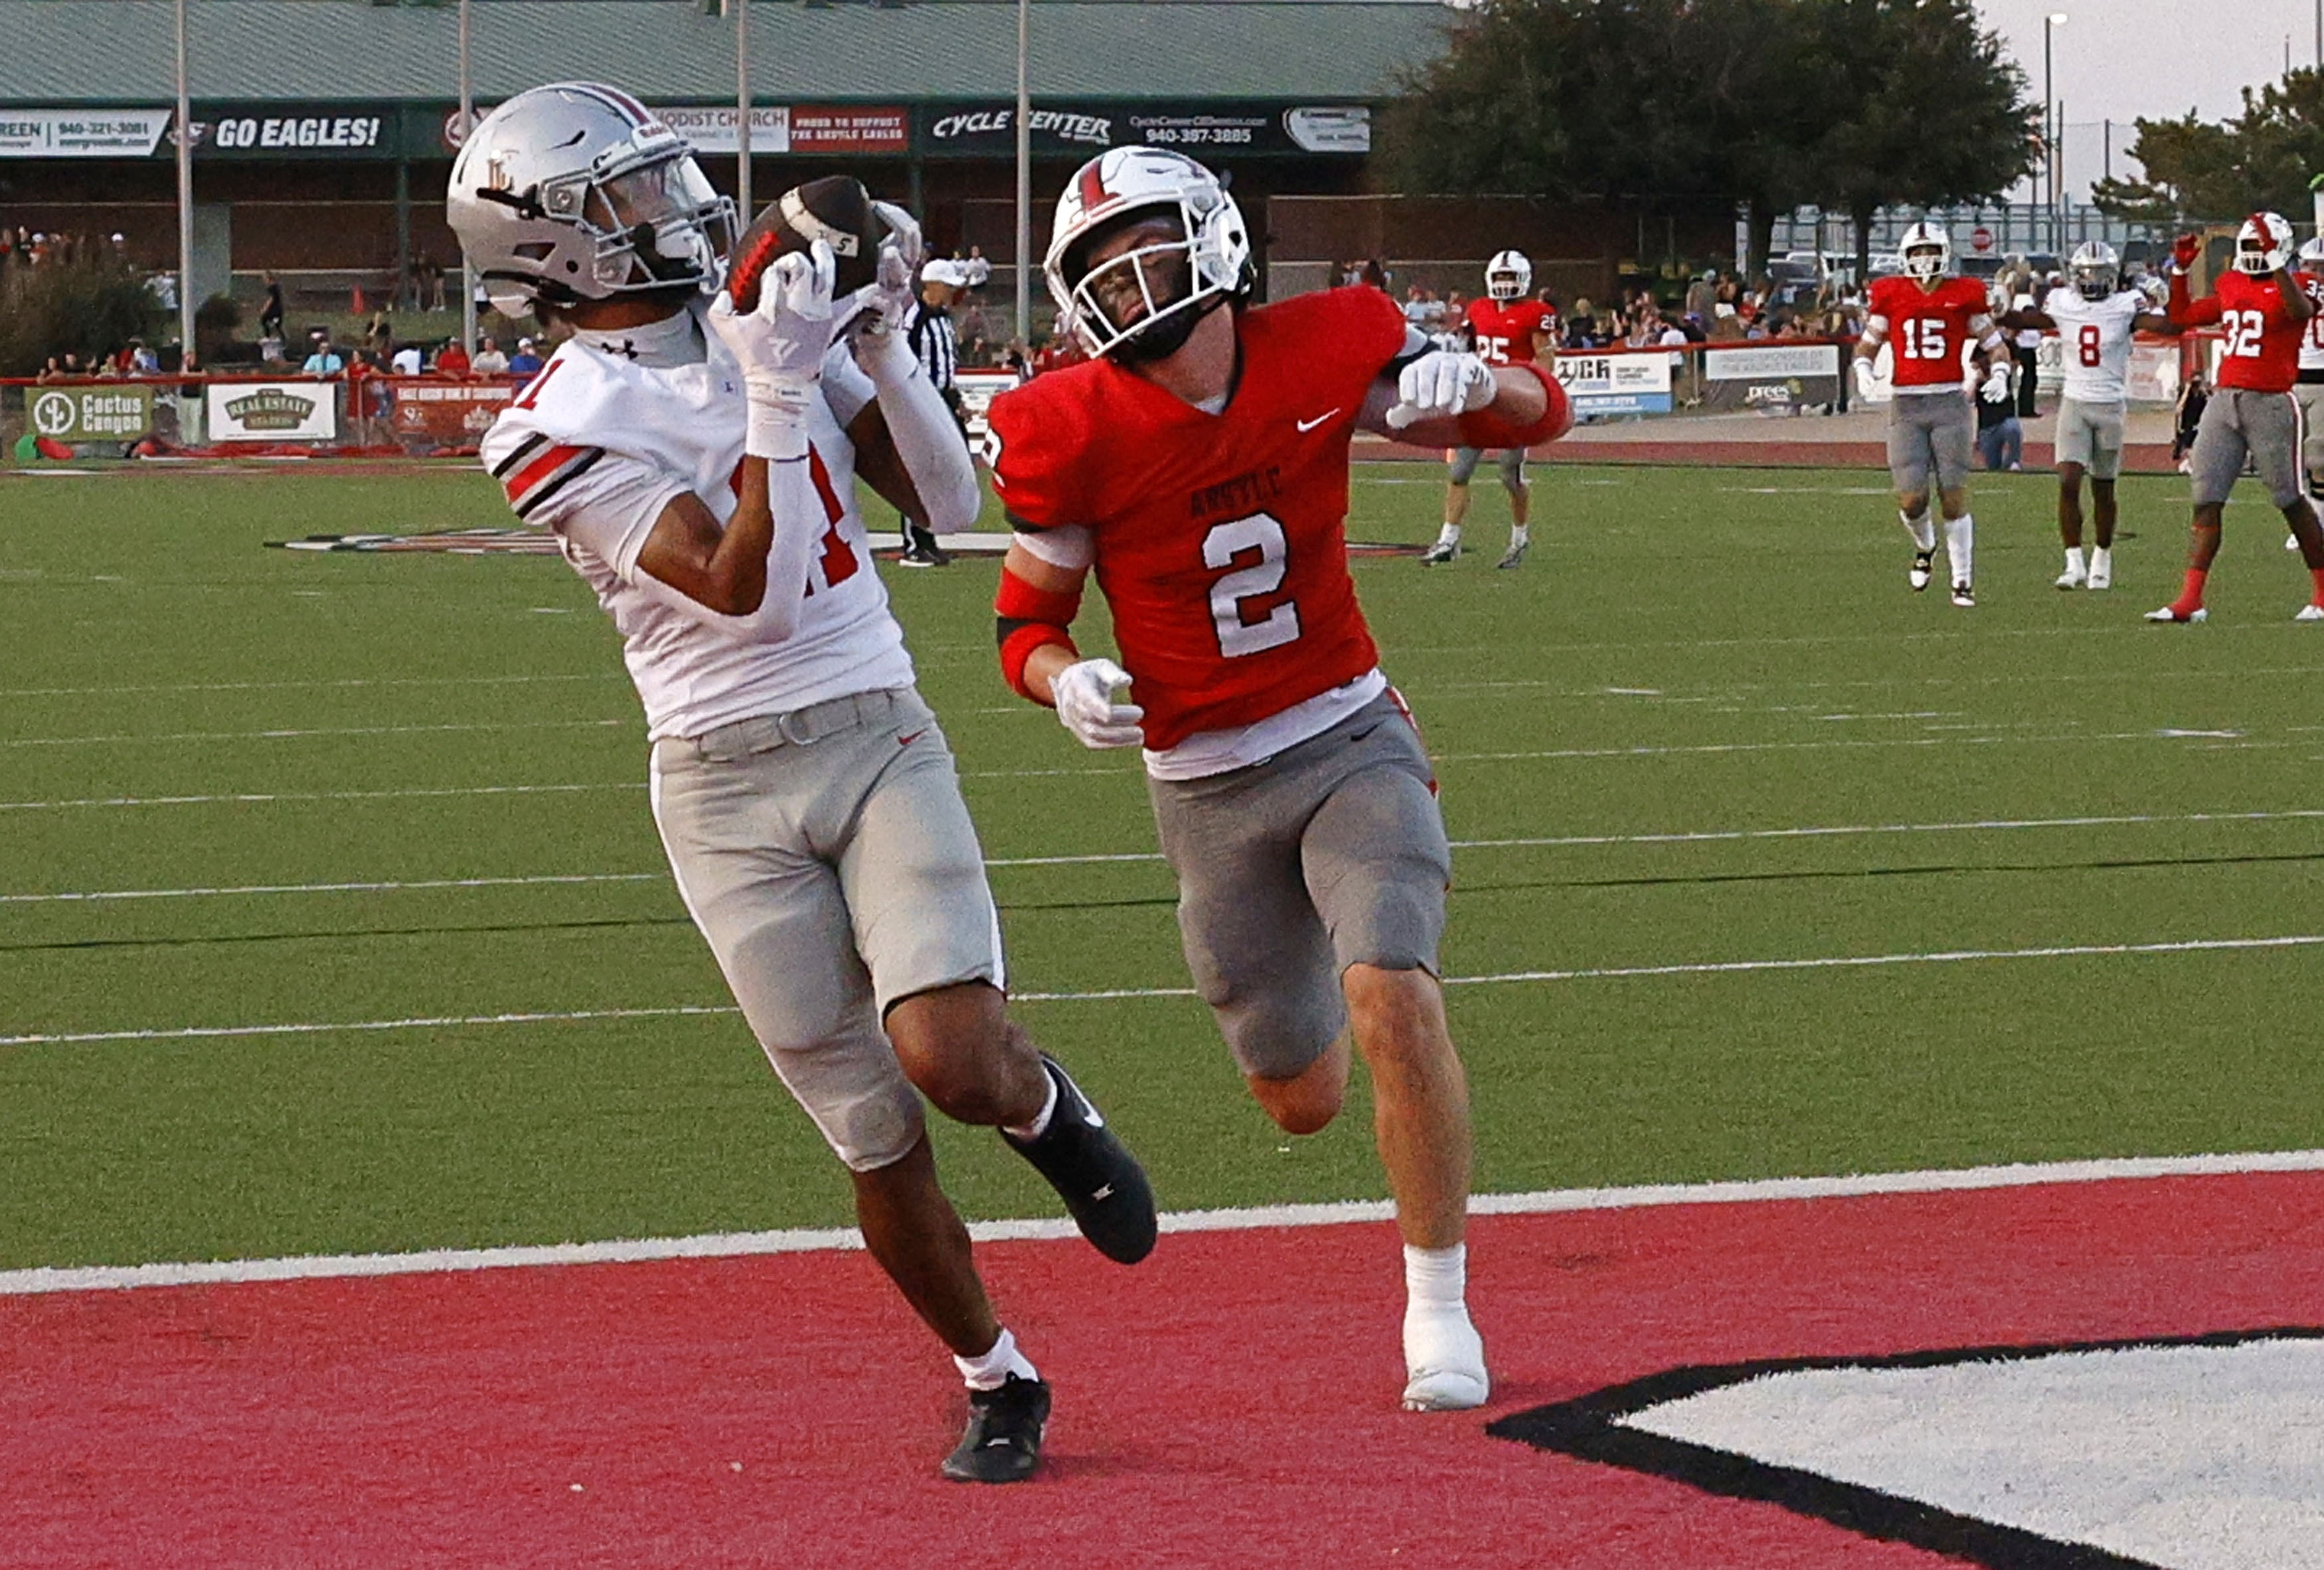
[1927, 251]
[1152, 310]
[2264, 245]
[1508, 276]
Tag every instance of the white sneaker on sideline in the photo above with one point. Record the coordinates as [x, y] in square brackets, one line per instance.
[2311, 612]
[2073, 578]
[2101, 569]
[2171, 613]
[1443, 1361]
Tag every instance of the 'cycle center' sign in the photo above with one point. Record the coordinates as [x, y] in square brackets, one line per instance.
[71, 414]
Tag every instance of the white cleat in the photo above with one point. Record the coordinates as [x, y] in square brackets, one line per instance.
[2292, 542]
[1919, 575]
[2171, 613]
[1964, 597]
[2073, 578]
[1438, 554]
[1445, 1362]
[2311, 612]
[2101, 569]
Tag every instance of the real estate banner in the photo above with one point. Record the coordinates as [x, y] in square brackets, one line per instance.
[271, 411]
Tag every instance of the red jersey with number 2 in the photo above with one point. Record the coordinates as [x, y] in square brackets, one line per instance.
[1221, 548]
[1928, 329]
[1504, 332]
[2259, 346]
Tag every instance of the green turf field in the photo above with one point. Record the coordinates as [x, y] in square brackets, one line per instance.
[1720, 654]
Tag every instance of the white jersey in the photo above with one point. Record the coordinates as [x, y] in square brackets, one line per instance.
[600, 443]
[2311, 340]
[2094, 341]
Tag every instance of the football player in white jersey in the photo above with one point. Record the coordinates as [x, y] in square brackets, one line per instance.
[699, 467]
[2309, 390]
[2094, 314]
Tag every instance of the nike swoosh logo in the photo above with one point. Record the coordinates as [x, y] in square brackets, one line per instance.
[1308, 425]
[1090, 1116]
[907, 741]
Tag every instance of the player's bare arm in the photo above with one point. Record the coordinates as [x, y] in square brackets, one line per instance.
[722, 568]
[2297, 305]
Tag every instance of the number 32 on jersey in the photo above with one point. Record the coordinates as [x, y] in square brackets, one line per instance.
[1235, 594]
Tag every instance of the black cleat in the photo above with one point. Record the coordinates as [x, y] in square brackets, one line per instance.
[1003, 1441]
[1104, 1187]
[1922, 562]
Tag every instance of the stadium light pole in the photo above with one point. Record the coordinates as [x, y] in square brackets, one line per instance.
[2049, 25]
[1024, 178]
[742, 108]
[185, 201]
[468, 128]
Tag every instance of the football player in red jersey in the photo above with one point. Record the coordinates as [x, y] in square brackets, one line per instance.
[2263, 308]
[1929, 320]
[1199, 462]
[1508, 326]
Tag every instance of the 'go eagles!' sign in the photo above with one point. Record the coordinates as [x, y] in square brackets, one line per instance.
[296, 131]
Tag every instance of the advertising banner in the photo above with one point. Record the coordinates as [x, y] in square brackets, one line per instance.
[716, 128]
[297, 131]
[445, 413]
[72, 414]
[81, 133]
[853, 129]
[1616, 383]
[271, 412]
[988, 130]
[1780, 378]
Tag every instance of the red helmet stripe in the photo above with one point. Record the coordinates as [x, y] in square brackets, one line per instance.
[1093, 193]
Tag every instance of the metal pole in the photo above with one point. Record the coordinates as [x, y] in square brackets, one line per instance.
[468, 128]
[1024, 178]
[185, 201]
[742, 107]
[2049, 127]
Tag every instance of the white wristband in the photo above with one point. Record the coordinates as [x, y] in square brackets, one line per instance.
[774, 432]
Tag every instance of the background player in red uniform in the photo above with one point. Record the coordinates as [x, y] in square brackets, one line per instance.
[1508, 326]
[2264, 308]
[1929, 320]
[1199, 462]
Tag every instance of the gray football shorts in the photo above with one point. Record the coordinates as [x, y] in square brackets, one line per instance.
[827, 857]
[1929, 433]
[2238, 421]
[2090, 435]
[2310, 396]
[1328, 854]
[1465, 460]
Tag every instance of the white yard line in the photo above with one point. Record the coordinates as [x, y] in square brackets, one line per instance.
[736, 1244]
[319, 684]
[250, 798]
[1601, 973]
[1694, 836]
[288, 734]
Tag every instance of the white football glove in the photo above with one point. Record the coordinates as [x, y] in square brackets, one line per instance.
[1996, 386]
[780, 347]
[1084, 695]
[1867, 384]
[1442, 383]
[877, 335]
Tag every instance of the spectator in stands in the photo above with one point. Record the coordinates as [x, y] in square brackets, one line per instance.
[490, 361]
[452, 359]
[322, 359]
[1701, 294]
[54, 371]
[2191, 400]
[526, 362]
[406, 361]
[1422, 308]
[2000, 435]
[270, 315]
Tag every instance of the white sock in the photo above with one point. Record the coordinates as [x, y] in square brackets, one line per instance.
[1960, 536]
[1923, 533]
[1435, 1278]
[2074, 560]
[1518, 538]
[2101, 558]
[990, 1371]
[1449, 535]
[1026, 1134]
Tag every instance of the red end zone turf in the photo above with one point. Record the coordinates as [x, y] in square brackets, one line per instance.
[1231, 1402]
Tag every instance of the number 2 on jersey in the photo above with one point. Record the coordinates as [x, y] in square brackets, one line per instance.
[1263, 533]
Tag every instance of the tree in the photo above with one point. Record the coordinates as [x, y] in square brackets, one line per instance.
[1921, 109]
[1855, 103]
[2261, 159]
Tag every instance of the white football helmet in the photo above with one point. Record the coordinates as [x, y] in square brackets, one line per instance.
[574, 191]
[2096, 270]
[2311, 255]
[1145, 301]
[1508, 276]
[1927, 251]
[2264, 245]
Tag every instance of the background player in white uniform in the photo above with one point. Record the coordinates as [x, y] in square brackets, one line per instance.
[699, 468]
[2094, 314]
[2309, 390]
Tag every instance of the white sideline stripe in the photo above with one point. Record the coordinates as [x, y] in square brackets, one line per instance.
[287, 734]
[1696, 836]
[351, 681]
[736, 1244]
[247, 798]
[1606, 972]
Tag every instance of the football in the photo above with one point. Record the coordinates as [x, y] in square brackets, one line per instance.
[835, 209]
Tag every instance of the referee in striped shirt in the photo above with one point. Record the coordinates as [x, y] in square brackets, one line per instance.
[927, 328]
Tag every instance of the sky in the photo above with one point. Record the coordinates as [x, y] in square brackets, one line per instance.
[2119, 59]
